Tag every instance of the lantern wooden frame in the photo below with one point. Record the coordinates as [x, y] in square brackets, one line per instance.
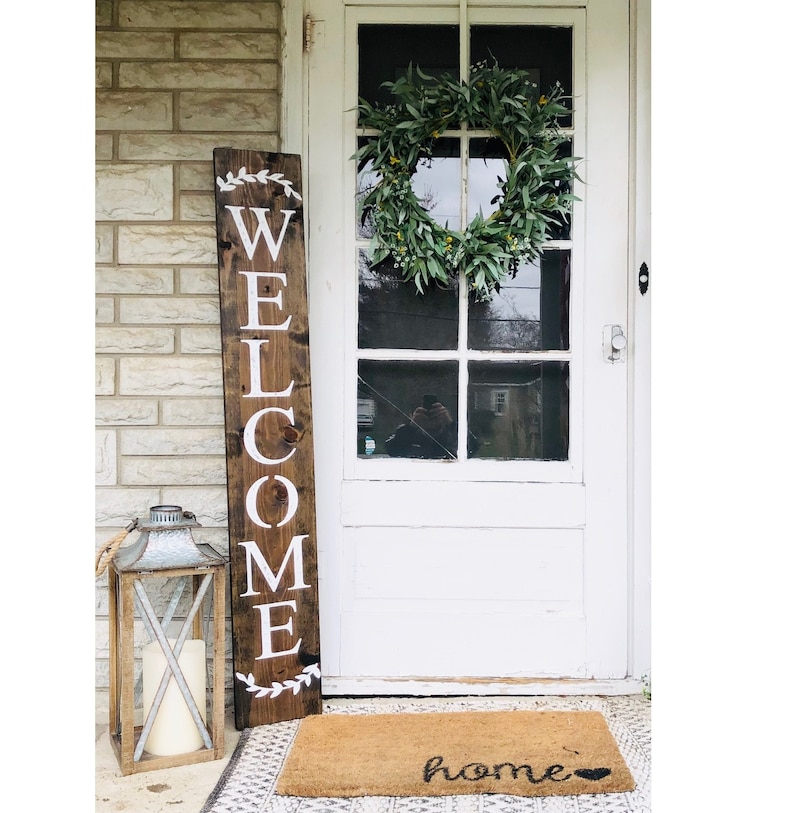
[126, 593]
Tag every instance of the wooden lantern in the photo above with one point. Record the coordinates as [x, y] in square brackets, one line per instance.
[177, 722]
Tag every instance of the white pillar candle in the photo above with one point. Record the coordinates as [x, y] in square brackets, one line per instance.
[174, 730]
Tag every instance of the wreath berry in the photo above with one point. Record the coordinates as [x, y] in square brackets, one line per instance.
[534, 196]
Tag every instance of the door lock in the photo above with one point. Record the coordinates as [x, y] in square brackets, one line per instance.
[615, 344]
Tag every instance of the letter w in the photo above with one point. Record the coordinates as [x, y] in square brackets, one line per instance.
[253, 554]
[262, 229]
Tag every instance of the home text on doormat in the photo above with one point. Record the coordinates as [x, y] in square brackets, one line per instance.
[522, 753]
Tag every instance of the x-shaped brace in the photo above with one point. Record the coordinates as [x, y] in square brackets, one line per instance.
[172, 664]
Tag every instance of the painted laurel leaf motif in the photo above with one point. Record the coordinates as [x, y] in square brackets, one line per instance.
[263, 176]
[296, 684]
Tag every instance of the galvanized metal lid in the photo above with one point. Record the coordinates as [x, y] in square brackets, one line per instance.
[166, 542]
[168, 516]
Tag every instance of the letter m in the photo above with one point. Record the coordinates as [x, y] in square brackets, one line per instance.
[254, 556]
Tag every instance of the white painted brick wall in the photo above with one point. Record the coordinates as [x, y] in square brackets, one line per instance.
[106, 457]
[173, 310]
[196, 177]
[104, 310]
[197, 206]
[228, 45]
[189, 147]
[251, 112]
[198, 280]
[134, 192]
[175, 79]
[121, 412]
[134, 340]
[105, 376]
[131, 280]
[182, 243]
[104, 237]
[117, 110]
[193, 411]
[200, 339]
[171, 376]
[172, 441]
[104, 79]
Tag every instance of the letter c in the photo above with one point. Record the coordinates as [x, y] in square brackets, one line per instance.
[250, 432]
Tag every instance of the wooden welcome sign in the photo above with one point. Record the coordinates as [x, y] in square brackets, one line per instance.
[269, 441]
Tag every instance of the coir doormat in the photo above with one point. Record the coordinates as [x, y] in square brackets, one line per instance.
[523, 753]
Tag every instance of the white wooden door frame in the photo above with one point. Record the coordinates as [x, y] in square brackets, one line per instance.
[639, 408]
[295, 137]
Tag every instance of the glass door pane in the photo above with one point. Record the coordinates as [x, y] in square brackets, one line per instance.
[408, 409]
[441, 352]
[530, 311]
[518, 410]
[386, 51]
[543, 49]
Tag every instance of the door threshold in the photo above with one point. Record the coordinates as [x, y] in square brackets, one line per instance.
[448, 687]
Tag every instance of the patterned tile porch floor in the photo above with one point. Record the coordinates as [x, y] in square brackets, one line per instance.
[187, 788]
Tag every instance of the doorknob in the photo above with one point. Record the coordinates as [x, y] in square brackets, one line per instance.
[615, 344]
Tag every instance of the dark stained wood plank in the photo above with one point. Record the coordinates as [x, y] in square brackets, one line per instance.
[269, 438]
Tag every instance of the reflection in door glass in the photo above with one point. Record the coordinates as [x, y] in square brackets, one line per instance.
[519, 410]
[392, 314]
[545, 50]
[386, 51]
[407, 409]
[366, 179]
[436, 184]
[486, 169]
[529, 311]
[487, 159]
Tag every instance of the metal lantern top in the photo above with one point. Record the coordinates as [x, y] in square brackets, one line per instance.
[166, 542]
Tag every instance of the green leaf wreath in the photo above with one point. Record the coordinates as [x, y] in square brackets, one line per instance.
[534, 196]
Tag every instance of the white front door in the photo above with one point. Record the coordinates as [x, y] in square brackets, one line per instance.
[506, 556]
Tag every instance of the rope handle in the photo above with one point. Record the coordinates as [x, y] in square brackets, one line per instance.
[108, 550]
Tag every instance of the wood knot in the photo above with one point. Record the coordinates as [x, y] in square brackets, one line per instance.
[290, 434]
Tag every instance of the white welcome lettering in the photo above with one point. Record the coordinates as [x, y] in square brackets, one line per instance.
[263, 229]
[254, 556]
[249, 435]
[252, 278]
[253, 492]
[255, 371]
[268, 628]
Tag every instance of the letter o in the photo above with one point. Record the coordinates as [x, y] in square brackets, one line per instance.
[253, 492]
[292, 499]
